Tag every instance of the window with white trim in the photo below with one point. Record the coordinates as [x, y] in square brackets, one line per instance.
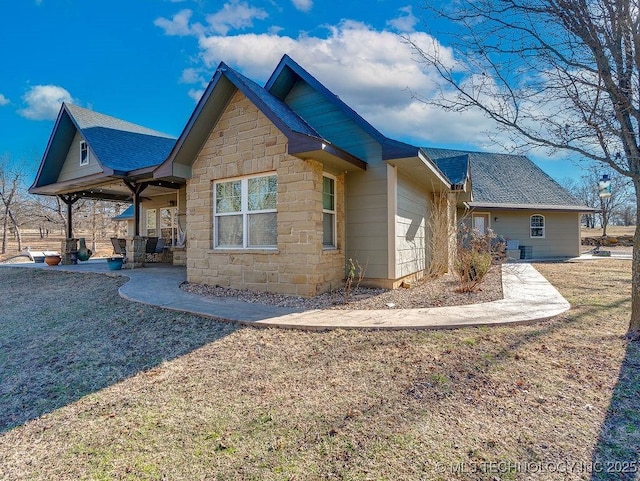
[328, 212]
[245, 214]
[537, 225]
[168, 225]
[84, 153]
[151, 223]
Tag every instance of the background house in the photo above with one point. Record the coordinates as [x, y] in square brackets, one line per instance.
[513, 197]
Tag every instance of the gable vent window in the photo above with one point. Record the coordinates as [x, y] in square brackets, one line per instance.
[84, 153]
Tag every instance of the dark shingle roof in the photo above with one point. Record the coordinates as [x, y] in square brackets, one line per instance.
[504, 178]
[456, 168]
[121, 145]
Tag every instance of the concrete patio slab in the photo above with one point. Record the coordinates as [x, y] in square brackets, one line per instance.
[528, 297]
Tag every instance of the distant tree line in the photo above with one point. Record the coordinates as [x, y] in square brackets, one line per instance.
[46, 215]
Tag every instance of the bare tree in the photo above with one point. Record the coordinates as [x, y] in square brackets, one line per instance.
[608, 208]
[561, 74]
[10, 180]
[586, 192]
[621, 196]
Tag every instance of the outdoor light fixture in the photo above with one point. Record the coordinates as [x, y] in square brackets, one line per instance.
[604, 186]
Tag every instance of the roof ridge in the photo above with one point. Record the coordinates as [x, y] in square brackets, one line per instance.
[84, 118]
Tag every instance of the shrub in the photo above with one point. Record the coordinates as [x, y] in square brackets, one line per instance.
[471, 267]
[475, 254]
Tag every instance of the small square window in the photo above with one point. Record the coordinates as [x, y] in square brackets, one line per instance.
[84, 153]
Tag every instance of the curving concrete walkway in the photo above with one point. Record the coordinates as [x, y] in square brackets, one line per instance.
[528, 297]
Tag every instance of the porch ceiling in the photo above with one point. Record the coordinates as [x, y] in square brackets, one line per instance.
[106, 188]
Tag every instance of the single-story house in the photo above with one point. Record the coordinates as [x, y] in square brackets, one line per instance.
[278, 186]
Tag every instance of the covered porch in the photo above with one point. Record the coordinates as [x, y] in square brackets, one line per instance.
[95, 156]
[155, 219]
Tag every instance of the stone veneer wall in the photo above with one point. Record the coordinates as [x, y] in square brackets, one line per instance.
[245, 142]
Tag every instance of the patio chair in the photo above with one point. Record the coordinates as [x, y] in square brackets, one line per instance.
[154, 249]
[119, 246]
[150, 247]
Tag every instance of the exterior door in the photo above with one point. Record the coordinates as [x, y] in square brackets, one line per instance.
[480, 223]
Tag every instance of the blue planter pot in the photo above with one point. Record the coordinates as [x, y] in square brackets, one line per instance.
[115, 263]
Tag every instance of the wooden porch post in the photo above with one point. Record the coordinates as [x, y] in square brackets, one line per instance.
[69, 200]
[136, 189]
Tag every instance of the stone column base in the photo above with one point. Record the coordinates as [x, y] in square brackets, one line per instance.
[69, 252]
[136, 256]
[179, 256]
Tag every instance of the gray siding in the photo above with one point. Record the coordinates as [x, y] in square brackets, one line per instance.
[562, 231]
[411, 225]
[366, 219]
[71, 169]
[332, 123]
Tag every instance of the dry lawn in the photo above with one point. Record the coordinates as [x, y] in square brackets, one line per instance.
[95, 388]
[612, 230]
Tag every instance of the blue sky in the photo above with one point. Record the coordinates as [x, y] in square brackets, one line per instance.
[147, 61]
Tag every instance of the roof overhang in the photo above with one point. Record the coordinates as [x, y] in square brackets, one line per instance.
[422, 171]
[332, 158]
[198, 128]
[539, 207]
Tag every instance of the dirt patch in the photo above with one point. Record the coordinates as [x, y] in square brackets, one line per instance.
[424, 293]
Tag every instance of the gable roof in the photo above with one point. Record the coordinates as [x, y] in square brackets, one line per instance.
[223, 85]
[504, 180]
[118, 146]
[121, 145]
[288, 72]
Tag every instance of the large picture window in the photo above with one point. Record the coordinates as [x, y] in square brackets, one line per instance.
[328, 212]
[537, 225]
[245, 213]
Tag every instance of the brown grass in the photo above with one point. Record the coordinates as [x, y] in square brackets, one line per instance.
[269, 404]
[612, 230]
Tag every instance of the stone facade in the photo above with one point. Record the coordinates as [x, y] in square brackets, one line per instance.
[245, 142]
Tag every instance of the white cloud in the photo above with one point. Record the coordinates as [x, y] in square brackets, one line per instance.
[303, 5]
[406, 22]
[192, 76]
[196, 94]
[4, 100]
[373, 71]
[43, 102]
[178, 25]
[234, 15]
